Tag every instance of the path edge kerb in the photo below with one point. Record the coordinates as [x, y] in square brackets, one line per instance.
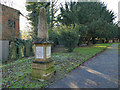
[99, 52]
[82, 63]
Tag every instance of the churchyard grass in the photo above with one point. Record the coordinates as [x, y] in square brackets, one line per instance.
[119, 48]
[17, 74]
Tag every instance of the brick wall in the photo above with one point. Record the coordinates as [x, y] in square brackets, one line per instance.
[12, 15]
[0, 21]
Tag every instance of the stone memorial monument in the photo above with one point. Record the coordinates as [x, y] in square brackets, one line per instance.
[43, 65]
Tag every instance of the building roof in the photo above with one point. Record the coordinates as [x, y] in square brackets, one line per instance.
[10, 8]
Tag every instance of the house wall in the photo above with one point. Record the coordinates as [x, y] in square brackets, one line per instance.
[13, 15]
[7, 33]
[0, 21]
[0, 35]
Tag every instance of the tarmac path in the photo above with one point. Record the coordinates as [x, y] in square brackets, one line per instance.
[99, 72]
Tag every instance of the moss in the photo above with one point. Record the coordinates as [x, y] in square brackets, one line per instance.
[20, 70]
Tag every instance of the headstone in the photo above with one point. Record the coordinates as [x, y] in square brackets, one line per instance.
[21, 51]
[13, 51]
[27, 47]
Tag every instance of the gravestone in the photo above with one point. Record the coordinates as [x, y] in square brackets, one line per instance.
[43, 65]
[13, 50]
[21, 51]
[27, 48]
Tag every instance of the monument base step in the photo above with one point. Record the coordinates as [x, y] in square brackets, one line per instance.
[42, 65]
[43, 77]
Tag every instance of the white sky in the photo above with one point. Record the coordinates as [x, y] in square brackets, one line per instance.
[20, 5]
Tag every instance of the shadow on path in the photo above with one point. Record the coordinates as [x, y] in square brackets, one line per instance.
[99, 72]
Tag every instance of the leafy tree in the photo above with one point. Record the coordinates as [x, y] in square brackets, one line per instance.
[92, 16]
[53, 11]
[119, 33]
[113, 31]
[68, 37]
[82, 31]
[53, 36]
[34, 9]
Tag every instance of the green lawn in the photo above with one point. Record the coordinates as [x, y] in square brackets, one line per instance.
[17, 74]
[119, 48]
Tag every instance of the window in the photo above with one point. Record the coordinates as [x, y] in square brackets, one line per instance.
[11, 24]
[14, 24]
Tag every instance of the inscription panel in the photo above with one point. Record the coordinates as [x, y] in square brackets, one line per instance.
[48, 52]
[39, 53]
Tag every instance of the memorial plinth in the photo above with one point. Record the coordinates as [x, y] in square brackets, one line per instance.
[43, 65]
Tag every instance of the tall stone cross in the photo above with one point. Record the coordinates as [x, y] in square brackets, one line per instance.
[42, 25]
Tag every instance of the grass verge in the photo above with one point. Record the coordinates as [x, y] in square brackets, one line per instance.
[17, 74]
[119, 48]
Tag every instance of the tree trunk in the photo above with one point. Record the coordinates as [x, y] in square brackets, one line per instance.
[107, 40]
[93, 41]
[88, 42]
[102, 41]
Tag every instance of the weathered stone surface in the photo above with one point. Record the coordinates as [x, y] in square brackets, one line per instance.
[42, 66]
[44, 52]
[43, 74]
[48, 76]
[27, 47]
[13, 51]
[42, 24]
[21, 51]
[43, 71]
[42, 78]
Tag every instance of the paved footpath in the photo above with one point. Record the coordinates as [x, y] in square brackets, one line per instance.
[99, 72]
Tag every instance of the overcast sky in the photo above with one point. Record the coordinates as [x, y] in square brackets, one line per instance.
[20, 5]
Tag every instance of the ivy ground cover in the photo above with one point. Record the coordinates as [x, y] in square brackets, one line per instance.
[17, 74]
